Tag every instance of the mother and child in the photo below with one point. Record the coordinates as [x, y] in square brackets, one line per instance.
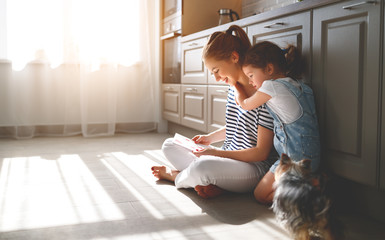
[266, 104]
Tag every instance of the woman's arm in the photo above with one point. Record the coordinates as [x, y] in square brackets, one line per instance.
[256, 154]
[213, 137]
[254, 101]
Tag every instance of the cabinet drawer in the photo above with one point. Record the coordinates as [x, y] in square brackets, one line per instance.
[171, 102]
[217, 99]
[194, 107]
[193, 69]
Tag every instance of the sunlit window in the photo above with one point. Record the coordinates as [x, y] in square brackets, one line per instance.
[87, 31]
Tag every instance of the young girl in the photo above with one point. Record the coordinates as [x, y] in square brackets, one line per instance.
[273, 72]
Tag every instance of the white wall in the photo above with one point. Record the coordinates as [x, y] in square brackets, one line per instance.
[250, 7]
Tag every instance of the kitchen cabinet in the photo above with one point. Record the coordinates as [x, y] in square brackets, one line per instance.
[193, 69]
[382, 154]
[217, 99]
[346, 75]
[290, 30]
[171, 102]
[194, 107]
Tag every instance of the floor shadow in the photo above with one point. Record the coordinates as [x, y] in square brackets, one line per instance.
[230, 208]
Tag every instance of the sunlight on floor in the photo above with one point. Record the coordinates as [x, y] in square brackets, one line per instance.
[35, 191]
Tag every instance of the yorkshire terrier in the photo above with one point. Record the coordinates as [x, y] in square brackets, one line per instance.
[300, 203]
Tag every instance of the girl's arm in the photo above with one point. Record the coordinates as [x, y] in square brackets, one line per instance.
[256, 100]
[256, 154]
[213, 137]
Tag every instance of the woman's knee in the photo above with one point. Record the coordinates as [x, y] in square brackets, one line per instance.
[167, 144]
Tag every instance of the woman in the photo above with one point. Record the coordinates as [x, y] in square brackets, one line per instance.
[242, 161]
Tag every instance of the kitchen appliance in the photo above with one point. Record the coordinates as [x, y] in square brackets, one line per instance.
[171, 7]
[171, 36]
[226, 15]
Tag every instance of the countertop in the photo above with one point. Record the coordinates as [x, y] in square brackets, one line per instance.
[279, 12]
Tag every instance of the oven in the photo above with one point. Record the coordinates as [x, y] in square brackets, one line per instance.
[171, 36]
[171, 7]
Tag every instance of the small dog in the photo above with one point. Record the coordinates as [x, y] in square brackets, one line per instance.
[300, 203]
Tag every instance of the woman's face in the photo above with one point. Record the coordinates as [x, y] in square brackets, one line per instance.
[256, 75]
[224, 70]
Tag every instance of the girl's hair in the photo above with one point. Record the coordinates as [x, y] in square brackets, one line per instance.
[287, 61]
[222, 44]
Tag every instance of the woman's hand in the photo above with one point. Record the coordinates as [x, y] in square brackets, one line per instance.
[206, 151]
[202, 139]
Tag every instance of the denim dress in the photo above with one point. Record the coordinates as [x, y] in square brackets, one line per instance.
[299, 139]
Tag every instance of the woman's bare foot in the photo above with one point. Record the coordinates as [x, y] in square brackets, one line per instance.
[209, 191]
[163, 172]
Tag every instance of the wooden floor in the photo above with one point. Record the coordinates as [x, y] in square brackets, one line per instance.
[102, 188]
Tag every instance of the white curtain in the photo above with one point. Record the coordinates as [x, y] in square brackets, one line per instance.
[75, 67]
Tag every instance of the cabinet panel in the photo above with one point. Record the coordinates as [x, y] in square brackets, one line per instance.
[346, 85]
[292, 30]
[171, 102]
[194, 107]
[382, 153]
[193, 69]
[217, 99]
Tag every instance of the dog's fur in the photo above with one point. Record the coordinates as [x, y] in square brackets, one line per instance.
[300, 203]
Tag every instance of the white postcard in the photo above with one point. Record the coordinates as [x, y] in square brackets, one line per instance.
[188, 143]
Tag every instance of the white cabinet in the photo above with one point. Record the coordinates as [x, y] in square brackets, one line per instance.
[217, 99]
[171, 102]
[290, 30]
[346, 80]
[194, 107]
[193, 69]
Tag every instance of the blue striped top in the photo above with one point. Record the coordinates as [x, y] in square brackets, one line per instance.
[242, 125]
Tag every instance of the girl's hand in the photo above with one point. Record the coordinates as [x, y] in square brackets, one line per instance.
[202, 139]
[206, 151]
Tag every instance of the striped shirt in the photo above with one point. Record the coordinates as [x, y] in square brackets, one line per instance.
[242, 125]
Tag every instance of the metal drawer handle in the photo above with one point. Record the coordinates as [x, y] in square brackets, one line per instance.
[193, 44]
[222, 91]
[191, 89]
[358, 4]
[168, 88]
[274, 24]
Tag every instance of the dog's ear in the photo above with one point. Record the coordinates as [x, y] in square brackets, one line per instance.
[305, 163]
[285, 159]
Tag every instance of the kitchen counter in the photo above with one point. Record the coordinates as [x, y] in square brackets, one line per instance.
[290, 9]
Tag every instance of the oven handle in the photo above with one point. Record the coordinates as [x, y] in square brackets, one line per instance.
[170, 35]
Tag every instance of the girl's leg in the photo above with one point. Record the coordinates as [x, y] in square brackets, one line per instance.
[227, 174]
[264, 192]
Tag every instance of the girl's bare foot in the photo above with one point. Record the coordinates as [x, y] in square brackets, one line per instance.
[209, 191]
[163, 172]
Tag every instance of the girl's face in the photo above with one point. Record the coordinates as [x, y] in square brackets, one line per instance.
[227, 71]
[256, 75]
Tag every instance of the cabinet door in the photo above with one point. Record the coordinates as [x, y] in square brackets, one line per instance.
[171, 102]
[290, 30]
[193, 69]
[382, 154]
[346, 45]
[194, 107]
[217, 99]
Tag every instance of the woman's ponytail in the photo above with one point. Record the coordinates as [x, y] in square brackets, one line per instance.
[222, 44]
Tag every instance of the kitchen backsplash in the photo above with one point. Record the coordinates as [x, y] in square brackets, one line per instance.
[251, 7]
